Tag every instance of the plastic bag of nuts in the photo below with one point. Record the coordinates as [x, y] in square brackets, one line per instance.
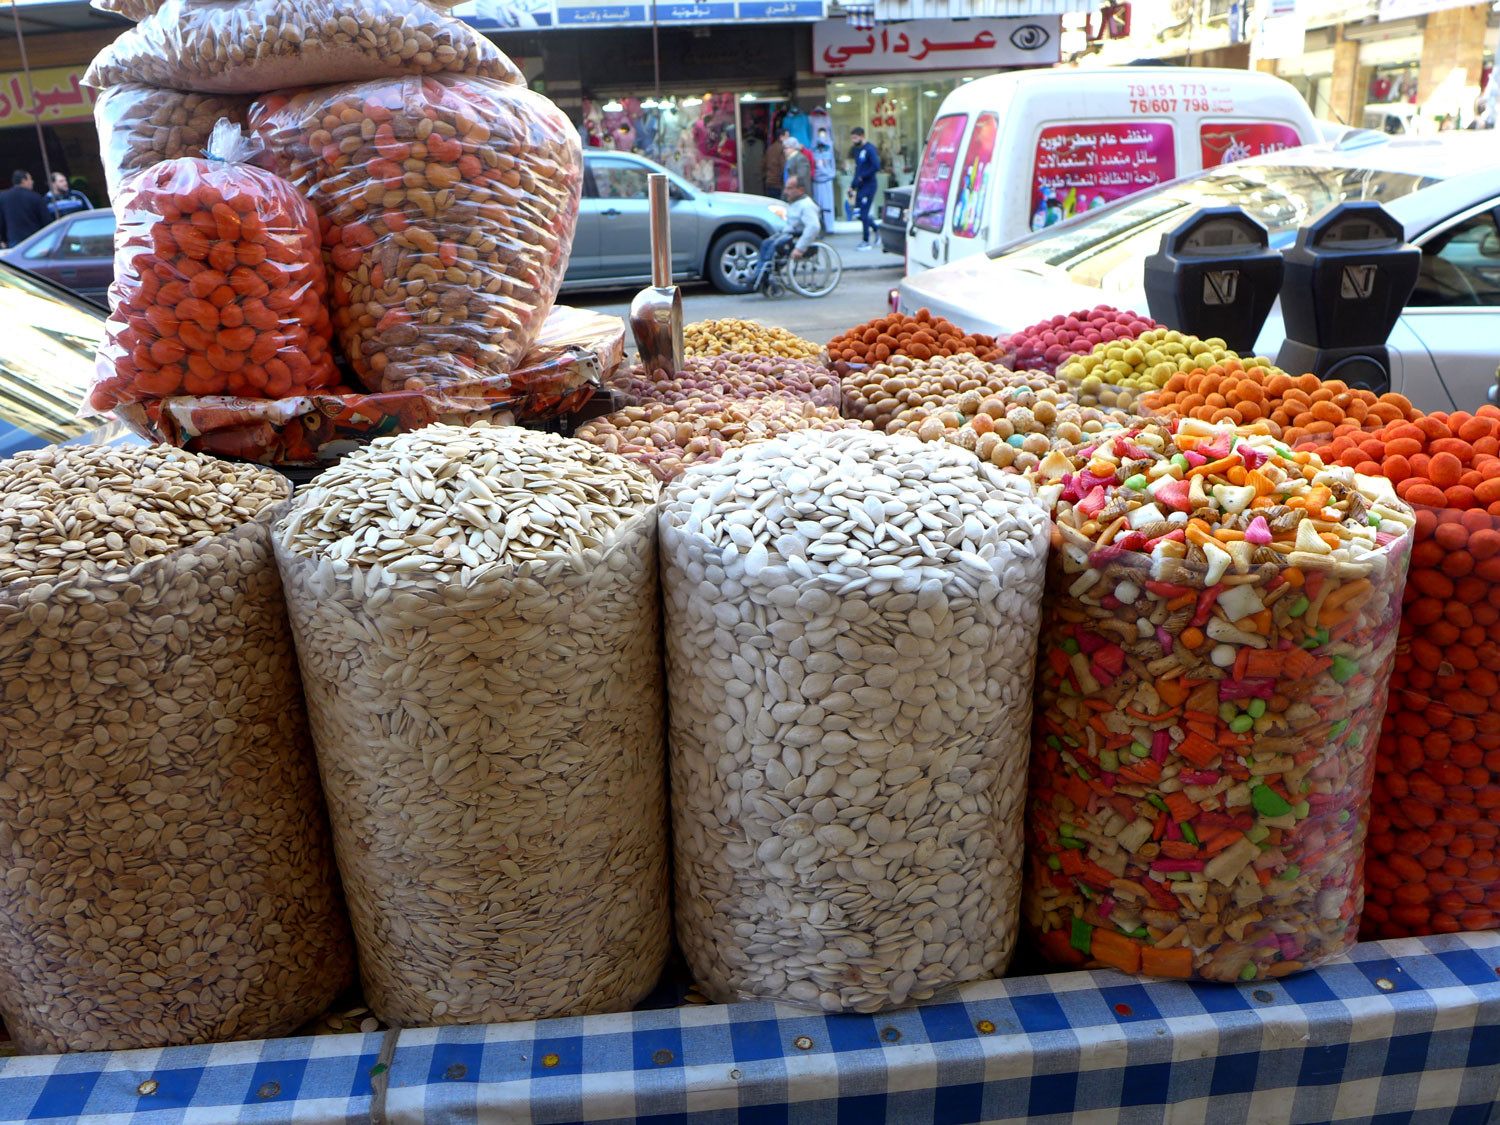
[448, 208]
[255, 46]
[140, 126]
[667, 439]
[1218, 637]
[169, 875]
[477, 617]
[142, 9]
[851, 626]
[730, 377]
[219, 285]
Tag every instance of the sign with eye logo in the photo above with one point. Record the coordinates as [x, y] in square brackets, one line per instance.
[977, 44]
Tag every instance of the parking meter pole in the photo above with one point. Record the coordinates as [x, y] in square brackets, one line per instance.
[1348, 277]
[1215, 276]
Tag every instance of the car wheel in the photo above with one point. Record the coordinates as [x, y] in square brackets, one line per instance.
[731, 262]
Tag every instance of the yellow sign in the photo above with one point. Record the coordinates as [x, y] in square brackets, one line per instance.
[56, 94]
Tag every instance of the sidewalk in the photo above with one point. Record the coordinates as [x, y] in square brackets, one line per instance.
[845, 239]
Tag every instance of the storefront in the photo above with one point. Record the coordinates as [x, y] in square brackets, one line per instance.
[65, 107]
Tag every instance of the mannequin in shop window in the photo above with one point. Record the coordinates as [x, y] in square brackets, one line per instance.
[824, 165]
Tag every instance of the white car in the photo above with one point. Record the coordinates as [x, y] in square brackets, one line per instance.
[1445, 190]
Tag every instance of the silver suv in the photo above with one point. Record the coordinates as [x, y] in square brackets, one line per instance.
[715, 235]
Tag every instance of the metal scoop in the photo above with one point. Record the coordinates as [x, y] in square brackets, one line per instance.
[656, 313]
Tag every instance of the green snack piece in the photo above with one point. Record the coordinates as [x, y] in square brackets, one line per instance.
[1065, 829]
[1156, 799]
[1339, 727]
[1343, 669]
[1373, 519]
[1137, 483]
[1054, 742]
[1301, 810]
[1258, 834]
[1249, 972]
[1139, 932]
[1291, 872]
[1070, 646]
[1082, 936]
[1257, 708]
[1241, 723]
[1054, 863]
[1110, 760]
[1188, 834]
[1069, 842]
[1299, 607]
[1227, 712]
[1343, 816]
[1181, 461]
[1139, 750]
[1268, 802]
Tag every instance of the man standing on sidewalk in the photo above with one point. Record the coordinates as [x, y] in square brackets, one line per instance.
[862, 191]
[22, 212]
[64, 199]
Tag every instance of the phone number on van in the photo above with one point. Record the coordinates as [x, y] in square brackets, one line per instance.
[1170, 97]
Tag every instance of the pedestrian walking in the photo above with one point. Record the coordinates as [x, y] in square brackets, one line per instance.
[64, 200]
[22, 212]
[862, 192]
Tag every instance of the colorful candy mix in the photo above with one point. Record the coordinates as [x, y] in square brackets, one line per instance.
[1431, 862]
[1300, 407]
[1217, 639]
[1049, 342]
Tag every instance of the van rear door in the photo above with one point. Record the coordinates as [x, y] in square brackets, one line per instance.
[926, 236]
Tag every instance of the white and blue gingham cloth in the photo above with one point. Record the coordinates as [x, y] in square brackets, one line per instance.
[1403, 1031]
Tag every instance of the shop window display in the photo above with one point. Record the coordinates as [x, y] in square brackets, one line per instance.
[692, 136]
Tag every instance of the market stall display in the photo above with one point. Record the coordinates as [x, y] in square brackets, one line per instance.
[1219, 632]
[744, 337]
[1301, 408]
[850, 663]
[219, 285]
[731, 378]
[448, 208]
[138, 10]
[254, 46]
[168, 872]
[1434, 823]
[477, 619]
[561, 373]
[141, 126]
[1048, 344]
[921, 337]
[668, 438]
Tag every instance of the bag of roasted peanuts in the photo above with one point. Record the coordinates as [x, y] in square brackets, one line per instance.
[142, 126]
[252, 46]
[448, 206]
[219, 286]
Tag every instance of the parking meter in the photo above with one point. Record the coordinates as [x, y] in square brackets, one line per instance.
[1215, 275]
[1348, 277]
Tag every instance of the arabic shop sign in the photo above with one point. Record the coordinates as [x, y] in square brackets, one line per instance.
[680, 12]
[58, 94]
[936, 45]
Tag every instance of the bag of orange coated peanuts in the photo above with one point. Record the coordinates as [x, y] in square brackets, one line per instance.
[219, 284]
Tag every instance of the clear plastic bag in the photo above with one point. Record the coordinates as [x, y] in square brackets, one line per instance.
[143, 9]
[171, 872]
[219, 285]
[447, 273]
[491, 741]
[142, 126]
[254, 46]
[849, 725]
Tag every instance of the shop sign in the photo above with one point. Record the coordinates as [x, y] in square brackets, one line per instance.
[1405, 9]
[681, 12]
[1080, 167]
[57, 94]
[982, 44]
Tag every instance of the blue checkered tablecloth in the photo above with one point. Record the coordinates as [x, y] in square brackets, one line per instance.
[1403, 1031]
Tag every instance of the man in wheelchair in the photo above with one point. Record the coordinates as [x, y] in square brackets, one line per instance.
[800, 230]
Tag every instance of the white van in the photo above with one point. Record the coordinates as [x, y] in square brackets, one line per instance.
[1013, 153]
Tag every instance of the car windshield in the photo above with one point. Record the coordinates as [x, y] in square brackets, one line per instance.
[1090, 248]
[46, 362]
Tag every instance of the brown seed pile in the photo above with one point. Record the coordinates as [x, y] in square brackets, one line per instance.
[722, 337]
[731, 377]
[448, 208]
[476, 612]
[141, 126]
[166, 876]
[885, 390]
[261, 45]
[666, 439]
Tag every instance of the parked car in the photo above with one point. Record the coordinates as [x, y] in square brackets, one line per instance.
[77, 252]
[1444, 189]
[715, 235]
[893, 211]
[1018, 152]
[46, 364]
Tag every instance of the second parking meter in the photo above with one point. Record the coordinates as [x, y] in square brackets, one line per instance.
[1347, 279]
[1215, 275]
